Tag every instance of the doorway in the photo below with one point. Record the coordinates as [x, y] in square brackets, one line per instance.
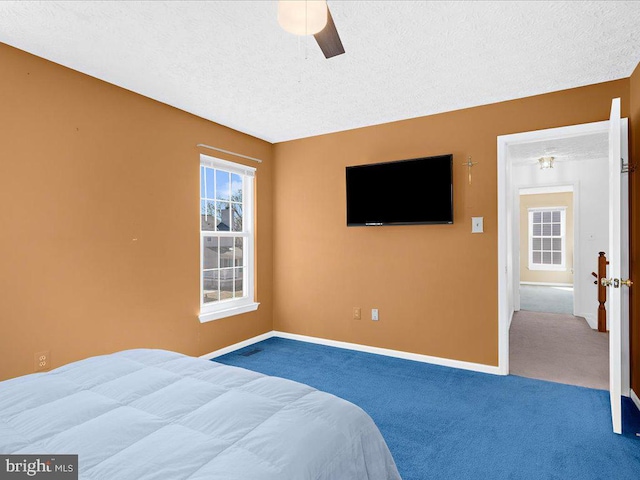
[560, 223]
[587, 237]
[546, 237]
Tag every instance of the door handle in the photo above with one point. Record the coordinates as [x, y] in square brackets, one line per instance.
[616, 282]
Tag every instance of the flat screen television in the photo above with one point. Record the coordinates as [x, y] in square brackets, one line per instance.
[405, 192]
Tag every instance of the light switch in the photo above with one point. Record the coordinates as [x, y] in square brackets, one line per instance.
[477, 224]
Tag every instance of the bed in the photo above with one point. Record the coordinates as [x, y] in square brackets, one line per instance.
[153, 414]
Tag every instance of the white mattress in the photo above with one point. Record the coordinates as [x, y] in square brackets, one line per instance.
[154, 414]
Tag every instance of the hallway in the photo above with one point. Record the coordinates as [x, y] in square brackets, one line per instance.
[558, 348]
[547, 299]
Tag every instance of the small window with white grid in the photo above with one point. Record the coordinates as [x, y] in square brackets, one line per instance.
[547, 231]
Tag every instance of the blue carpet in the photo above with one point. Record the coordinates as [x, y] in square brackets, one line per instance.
[538, 298]
[445, 423]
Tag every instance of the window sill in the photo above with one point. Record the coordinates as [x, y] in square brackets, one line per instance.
[228, 312]
[546, 268]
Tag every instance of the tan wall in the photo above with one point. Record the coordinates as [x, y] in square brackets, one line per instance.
[634, 122]
[86, 167]
[435, 285]
[546, 200]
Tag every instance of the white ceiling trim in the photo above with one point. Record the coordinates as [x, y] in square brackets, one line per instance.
[545, 190]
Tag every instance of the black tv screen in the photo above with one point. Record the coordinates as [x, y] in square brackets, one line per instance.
[405, 192]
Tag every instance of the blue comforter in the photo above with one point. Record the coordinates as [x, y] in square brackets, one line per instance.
[154, 414]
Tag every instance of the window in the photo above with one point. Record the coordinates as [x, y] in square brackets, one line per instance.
[547, 232]
[226, 238]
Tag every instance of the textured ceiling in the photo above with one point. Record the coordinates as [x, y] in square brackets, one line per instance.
[583, 147]
[230, 62]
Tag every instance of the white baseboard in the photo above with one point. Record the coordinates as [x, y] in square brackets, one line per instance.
[635, 399]
[237, 346]
[548, 284]
[445, 362]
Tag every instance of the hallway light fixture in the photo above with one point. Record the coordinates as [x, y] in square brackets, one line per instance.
[545, 162]
[302, 17]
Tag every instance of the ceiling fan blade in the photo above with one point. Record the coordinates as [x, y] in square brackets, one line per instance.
[328, 39]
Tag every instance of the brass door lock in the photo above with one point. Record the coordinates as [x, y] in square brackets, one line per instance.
[616, 282]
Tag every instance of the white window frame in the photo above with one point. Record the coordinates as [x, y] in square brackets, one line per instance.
[563, 236]
[235, 306]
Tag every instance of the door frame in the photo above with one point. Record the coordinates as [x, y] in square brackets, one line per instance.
[506, 258]
[572, 187]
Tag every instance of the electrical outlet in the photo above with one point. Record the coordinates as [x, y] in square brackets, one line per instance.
[357, 313]
[42, 361]
[374, 314]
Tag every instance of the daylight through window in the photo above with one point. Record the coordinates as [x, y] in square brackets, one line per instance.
[547, 238]
[226, 232]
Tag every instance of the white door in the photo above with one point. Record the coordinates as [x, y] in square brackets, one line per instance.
[615, 270]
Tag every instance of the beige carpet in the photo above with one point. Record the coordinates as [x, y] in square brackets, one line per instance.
[558, 348]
